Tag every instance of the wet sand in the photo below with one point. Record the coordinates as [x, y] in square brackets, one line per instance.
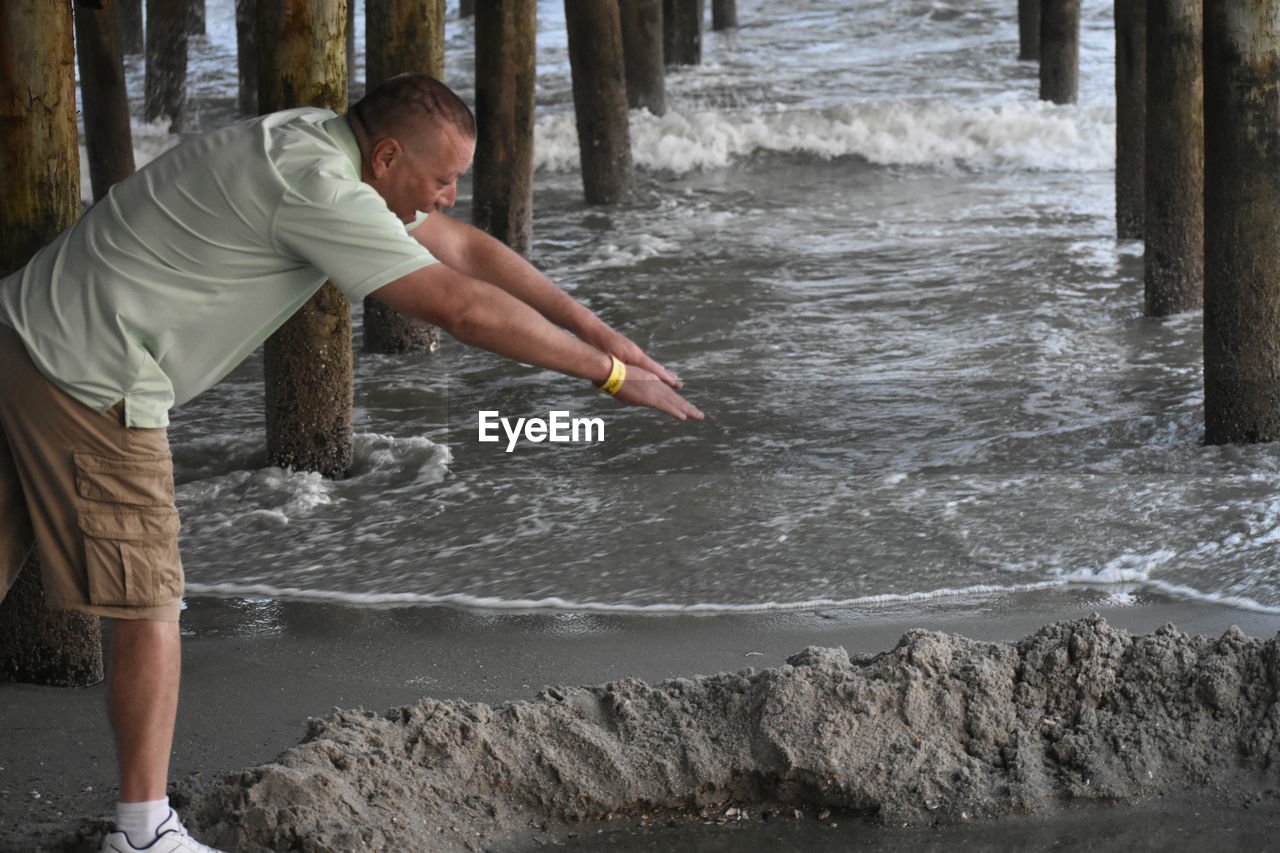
[256, 671]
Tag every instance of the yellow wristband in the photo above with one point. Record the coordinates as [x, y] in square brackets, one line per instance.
[619, 375]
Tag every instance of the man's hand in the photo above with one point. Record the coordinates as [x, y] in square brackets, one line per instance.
[476, 254]
[605, 338]
[644, 388]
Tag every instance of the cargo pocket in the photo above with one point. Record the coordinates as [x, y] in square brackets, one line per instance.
[134, 480]
[132, 556]
[130, 529]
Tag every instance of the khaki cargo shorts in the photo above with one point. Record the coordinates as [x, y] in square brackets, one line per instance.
[96, 496]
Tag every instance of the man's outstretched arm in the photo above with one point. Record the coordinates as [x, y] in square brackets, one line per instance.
[476, 254]
[479, 314]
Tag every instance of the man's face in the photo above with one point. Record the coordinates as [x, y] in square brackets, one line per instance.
[423, 173]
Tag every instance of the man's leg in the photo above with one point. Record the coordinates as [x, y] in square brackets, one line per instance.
[99, 497]
[142, 702]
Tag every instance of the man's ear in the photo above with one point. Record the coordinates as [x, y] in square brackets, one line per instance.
[384, 155]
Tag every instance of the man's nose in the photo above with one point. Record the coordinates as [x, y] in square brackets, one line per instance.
[450, 196]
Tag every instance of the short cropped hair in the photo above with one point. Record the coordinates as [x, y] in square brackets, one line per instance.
[404, 103]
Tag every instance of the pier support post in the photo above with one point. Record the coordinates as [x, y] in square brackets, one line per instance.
[1029, 29]
[642, 52]
[132, 40]
[1173, 219]
[1059, 50]
[403, 35]
[166, 73]
[682, 31]
[1242, 222]
[600, 99]
[247, 55]
[506, 65]
[196, 18]
[1131, 116]
[39, 197]
[107, 130]
[724, 14]
[302, 61]
[400, 36]
[351, 43]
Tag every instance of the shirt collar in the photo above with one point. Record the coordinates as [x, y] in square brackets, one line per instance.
[339, 128]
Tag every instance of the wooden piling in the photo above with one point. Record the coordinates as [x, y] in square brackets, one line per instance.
[107, 130]
[40, 180]
[642, 54]
[600, 99]
[1029, 29]
[247, 55]
[386, 330]
[1131, 116]
[466, 8]
[351, 45]
[502, 182]
[166, 73]
[682, 31]
[196, 18]
[132, 28]
[400, 36]
[1059, 50]
[724, 14]
[403, 35]
[1242, 222]
[39, 197]
[1173, 218]
[302, 61]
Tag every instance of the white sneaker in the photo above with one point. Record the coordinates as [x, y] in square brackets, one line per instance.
[171, 837]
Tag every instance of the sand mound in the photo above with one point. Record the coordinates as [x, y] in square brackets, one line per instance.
[939, 729]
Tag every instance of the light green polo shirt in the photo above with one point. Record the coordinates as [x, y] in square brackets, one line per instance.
[165, 285]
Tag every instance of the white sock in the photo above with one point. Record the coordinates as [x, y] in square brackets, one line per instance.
[139, 821]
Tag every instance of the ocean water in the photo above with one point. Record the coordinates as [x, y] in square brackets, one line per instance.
[889, 276]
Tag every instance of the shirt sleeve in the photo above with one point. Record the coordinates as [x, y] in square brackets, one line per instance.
[344, 229]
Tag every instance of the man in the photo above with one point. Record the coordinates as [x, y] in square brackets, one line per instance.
[169, 282]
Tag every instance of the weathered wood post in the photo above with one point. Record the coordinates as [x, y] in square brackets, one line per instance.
[642, 52]
[1029, 29]
[107, 131]
[166, 74]
[1242, 222]
[1059, 50]
[302, 61]
[247, 55]
[724, 14]
[39, 196]
[1131, 116]
[196, 18]
[600, 99]
[132, 40]
[40, 180]
[1173, 219]
[682, 31]
[400, 36]
[506, 65]
[351, 44]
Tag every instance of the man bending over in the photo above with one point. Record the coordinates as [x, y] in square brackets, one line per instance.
[167, 284]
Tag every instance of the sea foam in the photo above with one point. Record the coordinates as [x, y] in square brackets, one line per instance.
[1032, 136]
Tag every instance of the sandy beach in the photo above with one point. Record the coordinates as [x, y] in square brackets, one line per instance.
[256, 671]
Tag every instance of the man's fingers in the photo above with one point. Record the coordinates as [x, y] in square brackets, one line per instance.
[661, 372]
[689, 409]
[651, 391]
[630, 352]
